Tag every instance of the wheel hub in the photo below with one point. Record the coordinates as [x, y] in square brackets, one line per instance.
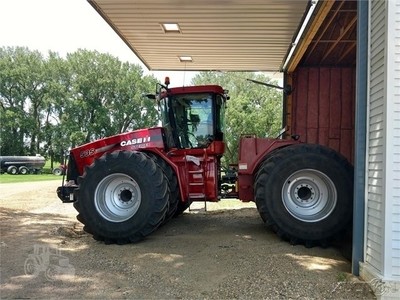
[304, 193]
[126, 196]
[309, 195]
[117, 197]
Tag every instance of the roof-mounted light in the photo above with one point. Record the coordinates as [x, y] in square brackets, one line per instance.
[171, 27]
[185, 59]
[167, 81]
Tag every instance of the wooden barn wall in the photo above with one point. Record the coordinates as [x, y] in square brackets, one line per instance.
[321, 108]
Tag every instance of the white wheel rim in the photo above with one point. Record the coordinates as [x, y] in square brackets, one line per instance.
[309, 195]
[117, 197]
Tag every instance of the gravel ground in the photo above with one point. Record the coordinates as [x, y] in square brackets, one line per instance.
[224, 253]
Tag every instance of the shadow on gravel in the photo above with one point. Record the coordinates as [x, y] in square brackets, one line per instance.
[212, 255]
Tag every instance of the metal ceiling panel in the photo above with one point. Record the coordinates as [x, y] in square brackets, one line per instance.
[226, 35]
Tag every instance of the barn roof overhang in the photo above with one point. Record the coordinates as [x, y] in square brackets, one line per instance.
[224, 35]
[329, 39]
[234, 35]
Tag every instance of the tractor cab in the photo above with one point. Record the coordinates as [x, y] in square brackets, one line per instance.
[192, 117]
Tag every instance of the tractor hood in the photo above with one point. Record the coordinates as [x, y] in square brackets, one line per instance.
[139, 139]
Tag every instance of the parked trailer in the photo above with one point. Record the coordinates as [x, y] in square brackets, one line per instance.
[21, 164]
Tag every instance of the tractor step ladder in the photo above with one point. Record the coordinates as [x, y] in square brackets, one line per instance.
[194, 197]
[200, 175]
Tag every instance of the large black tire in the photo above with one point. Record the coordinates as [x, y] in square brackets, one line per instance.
[12, 170]
[23, 170]
[182, 206]
[176, 206]
[57, 171]
[122, 197]
[174, 196]
[304, 192]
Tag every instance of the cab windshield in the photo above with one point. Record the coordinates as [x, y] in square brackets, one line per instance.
[189, 117]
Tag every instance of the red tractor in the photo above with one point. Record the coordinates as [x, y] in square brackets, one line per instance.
[127, 185]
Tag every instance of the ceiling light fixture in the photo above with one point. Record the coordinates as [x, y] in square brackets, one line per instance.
[171, 27]
[185, 58]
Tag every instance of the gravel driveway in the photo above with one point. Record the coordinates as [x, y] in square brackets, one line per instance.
[224, 253]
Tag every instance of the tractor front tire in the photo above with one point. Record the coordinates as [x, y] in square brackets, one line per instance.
[304, 192]
[182, 206]
[122, 197]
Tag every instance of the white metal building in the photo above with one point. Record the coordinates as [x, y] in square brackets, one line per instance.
[382, 190]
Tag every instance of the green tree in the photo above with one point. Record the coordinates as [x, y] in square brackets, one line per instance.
[129, 110]
[50, 104]
[106, 97]
[252, 108]
[55, 133]
[12, 103]
[22, 91]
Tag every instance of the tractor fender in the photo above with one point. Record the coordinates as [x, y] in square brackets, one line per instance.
[253, 151]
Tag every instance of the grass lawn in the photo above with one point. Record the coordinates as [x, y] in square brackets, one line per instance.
[46, 174]
[7, 178]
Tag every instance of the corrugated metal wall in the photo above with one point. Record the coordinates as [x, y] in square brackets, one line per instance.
[321, 107]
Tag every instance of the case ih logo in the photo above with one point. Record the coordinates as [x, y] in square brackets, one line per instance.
[137, 141]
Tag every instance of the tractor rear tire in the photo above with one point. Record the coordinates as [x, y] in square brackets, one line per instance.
[122, 197]
[304, 192]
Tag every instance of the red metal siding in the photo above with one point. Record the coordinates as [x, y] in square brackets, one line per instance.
[322, 107]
